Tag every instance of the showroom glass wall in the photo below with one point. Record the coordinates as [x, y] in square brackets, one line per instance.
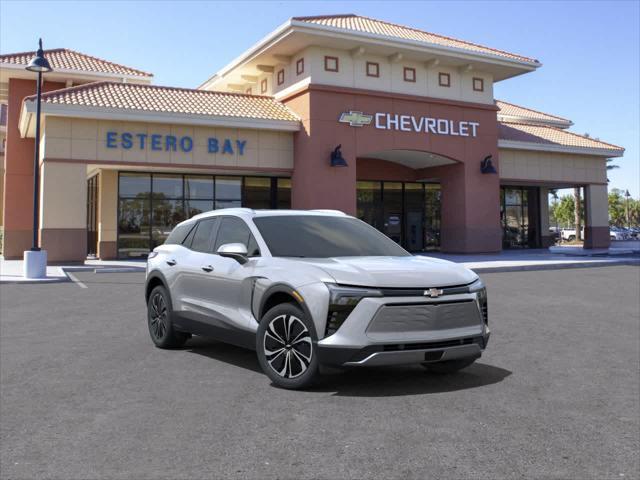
[407, 212]
[150, 205]
[520, 217]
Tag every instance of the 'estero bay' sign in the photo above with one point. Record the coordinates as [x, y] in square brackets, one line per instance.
[171, 143]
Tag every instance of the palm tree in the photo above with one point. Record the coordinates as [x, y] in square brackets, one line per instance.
[611, 167]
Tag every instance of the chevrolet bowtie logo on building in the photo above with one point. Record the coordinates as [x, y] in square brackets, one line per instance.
[355, 119]
[433, 292]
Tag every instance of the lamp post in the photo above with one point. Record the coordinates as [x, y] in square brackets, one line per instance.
[626, 207]
[35, 260]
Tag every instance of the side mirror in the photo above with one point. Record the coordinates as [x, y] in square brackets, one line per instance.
[237, 251]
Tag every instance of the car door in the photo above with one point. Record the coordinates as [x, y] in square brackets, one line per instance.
[191, 301]
[230, 282]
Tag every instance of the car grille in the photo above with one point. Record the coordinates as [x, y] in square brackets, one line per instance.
[424, 317]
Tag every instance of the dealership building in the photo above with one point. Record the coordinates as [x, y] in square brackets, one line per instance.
[394, 125]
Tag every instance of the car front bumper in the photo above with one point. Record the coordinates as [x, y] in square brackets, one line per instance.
[406, 330]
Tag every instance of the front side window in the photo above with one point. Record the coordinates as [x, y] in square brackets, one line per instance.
[179, 234]
[201, 241]
[317, 236]
[234, 230]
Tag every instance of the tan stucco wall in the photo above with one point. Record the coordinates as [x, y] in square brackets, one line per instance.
[352, 74]
[551, 167]
[63, 196]
[597, 205]
[83, 139]
[108, 206]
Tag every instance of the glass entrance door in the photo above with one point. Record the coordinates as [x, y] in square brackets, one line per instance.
[407, 212]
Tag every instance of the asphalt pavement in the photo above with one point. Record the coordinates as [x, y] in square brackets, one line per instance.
[85, 395]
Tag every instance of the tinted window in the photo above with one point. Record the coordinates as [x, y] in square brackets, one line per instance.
[178, 234]
[324, 237]
[202, 237]
[234, 230]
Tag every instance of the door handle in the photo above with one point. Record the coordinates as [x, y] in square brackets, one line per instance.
[208, 268]
[171, 262]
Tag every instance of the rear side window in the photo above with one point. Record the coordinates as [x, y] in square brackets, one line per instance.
[203, 234]
[234, 230]
[179, 234]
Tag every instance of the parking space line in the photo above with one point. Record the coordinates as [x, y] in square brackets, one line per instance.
[75, 280]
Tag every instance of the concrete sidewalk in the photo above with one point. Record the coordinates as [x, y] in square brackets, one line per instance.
[531, 259]
[505, 261]
[11, 270]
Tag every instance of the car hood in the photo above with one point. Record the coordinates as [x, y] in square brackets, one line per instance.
[393, 272]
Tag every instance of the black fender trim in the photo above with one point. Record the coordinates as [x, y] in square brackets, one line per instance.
[153, 275]
[288, 289]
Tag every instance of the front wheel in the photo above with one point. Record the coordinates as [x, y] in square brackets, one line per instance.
[449, 366]
[286, 347]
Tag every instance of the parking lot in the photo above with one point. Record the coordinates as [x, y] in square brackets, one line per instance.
[84, 394]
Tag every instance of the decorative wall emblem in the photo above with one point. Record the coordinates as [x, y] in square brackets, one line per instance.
[355, 119]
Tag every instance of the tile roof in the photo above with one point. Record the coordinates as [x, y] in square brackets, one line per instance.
[152, 98]
[545, 135]
[391, 30]
[65, 59]
[512, 110]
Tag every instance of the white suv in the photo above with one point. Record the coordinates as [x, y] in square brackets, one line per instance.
[305, 288]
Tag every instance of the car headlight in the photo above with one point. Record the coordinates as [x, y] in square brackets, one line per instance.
[342, 301]
[480, 290]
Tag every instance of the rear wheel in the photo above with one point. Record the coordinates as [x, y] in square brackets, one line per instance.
[286, 347]
[449, 366]
[159, 320]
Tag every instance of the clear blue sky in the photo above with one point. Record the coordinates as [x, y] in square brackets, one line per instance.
[589, 50]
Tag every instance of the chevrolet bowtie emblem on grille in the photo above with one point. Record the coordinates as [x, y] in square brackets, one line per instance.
[433, 292]
[355, 119]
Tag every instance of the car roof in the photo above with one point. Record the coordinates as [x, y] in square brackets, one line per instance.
[251, 213]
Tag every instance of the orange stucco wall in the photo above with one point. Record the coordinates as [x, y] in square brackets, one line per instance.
[18, 178]
[470, 200]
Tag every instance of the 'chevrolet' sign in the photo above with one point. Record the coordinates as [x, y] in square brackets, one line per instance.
[355, 119]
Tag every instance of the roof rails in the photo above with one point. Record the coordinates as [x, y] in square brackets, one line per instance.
[326, 210]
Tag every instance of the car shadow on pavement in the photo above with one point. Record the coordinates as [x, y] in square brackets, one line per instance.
[364, 382]
[224, 352]
[407, 380]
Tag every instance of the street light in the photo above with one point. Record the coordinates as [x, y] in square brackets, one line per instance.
[627, 195]
[35, 260]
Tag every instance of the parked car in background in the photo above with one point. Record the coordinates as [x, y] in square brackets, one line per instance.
[619, 234]
[569, 234]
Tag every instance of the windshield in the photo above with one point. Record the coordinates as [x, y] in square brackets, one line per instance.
[318, 236]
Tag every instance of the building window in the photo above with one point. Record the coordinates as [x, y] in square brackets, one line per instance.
[150, 205]
[300, 66]
[263, 86]
[478, 84]
[331, 64]
[280, 77]
[409, 74]
[248, 91]
[444, 79]
[373, 69]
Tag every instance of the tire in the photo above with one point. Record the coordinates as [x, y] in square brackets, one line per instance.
[286, 347]
[161, 329]
[571, 238]
[449, 366]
